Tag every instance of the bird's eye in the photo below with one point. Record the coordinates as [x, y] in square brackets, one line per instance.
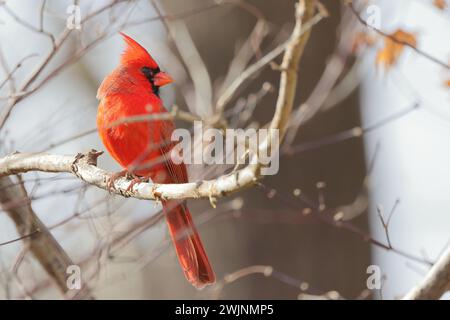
[149, 73]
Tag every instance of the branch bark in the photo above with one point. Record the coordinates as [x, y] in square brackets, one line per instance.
[435, 283]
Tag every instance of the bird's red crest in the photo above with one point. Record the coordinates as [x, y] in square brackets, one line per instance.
[134, 52]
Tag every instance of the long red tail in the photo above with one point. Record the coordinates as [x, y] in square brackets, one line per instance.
[189, 248]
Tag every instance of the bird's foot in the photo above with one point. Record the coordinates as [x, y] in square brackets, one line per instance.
[118, 175]
[136, 180]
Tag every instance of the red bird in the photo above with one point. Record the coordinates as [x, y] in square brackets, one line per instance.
[143, 148]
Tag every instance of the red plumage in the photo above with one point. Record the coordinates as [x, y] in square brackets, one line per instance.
[143, 148]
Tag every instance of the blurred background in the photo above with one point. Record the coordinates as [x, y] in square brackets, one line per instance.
[363, 142]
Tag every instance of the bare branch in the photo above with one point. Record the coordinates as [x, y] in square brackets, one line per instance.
[436, 282]
[57, 44]
[230, 91]
[393, 38]
[42, 244]
[385, 222]
[84, 167]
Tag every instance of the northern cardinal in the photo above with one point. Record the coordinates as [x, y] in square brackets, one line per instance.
[143, 148]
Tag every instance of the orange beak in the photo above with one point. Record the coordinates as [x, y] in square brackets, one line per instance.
[161, 79]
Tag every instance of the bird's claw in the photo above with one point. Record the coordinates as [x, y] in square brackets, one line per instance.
[136, 180]
[118, 175]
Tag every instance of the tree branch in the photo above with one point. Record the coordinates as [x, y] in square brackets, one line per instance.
[436, 282]
[41, 242]
[393, 38]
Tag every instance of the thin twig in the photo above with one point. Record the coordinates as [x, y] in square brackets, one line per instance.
[393, 38]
